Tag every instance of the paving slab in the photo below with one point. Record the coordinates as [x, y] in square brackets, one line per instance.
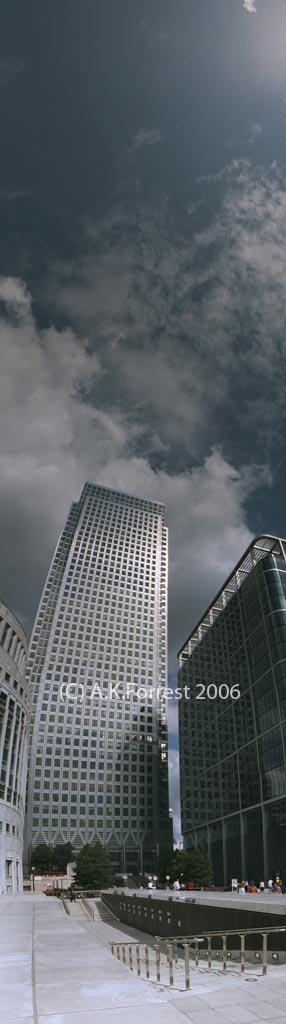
[155, 1014]
[265, 1010]
[56, 969]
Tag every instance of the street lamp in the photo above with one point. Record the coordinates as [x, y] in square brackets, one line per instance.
[167, 880]
[33, 878]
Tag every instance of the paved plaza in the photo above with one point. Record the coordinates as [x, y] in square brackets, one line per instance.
[58, 969]
[267, 902]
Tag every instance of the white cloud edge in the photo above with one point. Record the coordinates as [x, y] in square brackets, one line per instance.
[250, 6]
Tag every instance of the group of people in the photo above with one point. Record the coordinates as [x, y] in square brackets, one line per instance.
[181, 885]
[272, 886]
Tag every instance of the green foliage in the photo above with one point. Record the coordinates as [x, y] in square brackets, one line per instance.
[93, 867]
[51, 858]
[61, 856]
[201, 866]
[189, 865]
[41, 857]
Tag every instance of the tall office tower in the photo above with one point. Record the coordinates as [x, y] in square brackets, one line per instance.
[233, 720]
[14, 706]
[98, 766]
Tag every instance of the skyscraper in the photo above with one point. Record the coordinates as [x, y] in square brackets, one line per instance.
[233, 720]
[14, 706]
[98, 763]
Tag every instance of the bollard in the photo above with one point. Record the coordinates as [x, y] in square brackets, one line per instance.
[158, 963]
[264, 955]
[209, 951]
[187, 965]
[124, 954]
[242, 953]
[118, 952]
[224, 952]
[138, 960]
[176, 952]
[147, 961]
[112, 948]
[197, 953]
[170, 961]
[130, 958]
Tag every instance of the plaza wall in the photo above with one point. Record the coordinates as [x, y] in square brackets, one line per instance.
[171, 917]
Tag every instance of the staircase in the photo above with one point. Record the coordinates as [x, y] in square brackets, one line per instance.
[102, 913]
[77, 911]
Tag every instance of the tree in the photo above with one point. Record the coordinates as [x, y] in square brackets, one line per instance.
[192, 865]
[201, 866]
[180, 866]
[41, 857]
[93, 867]
[62, 854]
[51, 858]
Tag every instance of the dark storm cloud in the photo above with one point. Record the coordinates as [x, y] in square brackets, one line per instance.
[54, 437]
[192, 319]
[10, 68]
[63, 434]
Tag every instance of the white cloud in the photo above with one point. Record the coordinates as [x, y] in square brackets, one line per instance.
[146, 137]
[14, 293]
[205, 513]
[153, 36]
[46, 424]
[57, 431]
[244, 312]
[250, 6]
[191, 318]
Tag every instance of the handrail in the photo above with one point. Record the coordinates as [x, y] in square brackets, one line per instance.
[225, 931]
[173, 942]
[65, 905]
[89, 910]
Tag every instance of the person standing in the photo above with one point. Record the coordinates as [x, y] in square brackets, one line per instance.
[262, 886]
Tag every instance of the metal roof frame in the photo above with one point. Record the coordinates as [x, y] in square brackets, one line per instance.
[264, 544]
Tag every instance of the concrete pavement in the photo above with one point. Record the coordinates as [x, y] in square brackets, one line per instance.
[56, 969]
[271, 903]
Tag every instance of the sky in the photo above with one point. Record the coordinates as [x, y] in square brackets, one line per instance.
[143, 281]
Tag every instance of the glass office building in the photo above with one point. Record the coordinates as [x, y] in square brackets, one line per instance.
[14, 708]
[98, 761]
[232, 721]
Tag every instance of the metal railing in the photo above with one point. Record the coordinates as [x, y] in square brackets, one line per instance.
[65, 905]
[139, 955]
[88, 909]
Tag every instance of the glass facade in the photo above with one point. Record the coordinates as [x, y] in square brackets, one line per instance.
[98, 762]
[232, 721]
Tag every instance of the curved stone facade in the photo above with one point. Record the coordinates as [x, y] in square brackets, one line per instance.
[13, 749]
